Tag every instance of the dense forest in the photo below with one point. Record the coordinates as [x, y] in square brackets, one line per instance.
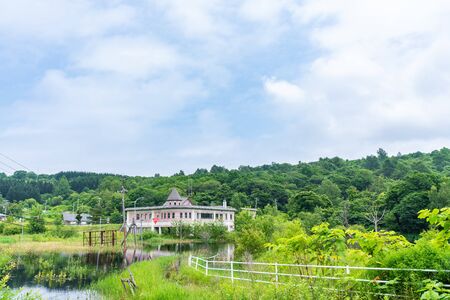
[378, 191]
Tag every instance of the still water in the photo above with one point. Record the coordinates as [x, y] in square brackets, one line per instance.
[68, 276]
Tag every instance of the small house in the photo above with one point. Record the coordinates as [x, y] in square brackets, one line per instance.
[71, 219]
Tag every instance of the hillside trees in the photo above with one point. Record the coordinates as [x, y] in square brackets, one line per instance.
[335, 190]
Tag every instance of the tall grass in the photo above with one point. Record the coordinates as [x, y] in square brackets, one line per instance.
[164, 278]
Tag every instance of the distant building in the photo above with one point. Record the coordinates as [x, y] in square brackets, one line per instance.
[71, 218]
[179, 209]
[251, 211]
[2, 217]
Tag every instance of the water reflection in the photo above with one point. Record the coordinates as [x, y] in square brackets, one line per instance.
[66, 276]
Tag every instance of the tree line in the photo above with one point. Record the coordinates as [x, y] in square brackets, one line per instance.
[378, 191]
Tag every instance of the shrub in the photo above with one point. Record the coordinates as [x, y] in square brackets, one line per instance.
[421, 256]
[11, 229]
[36, 223]
[148, 235]
[64, 232]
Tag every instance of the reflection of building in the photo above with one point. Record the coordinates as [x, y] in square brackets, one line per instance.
[71, 218]
[177, 210]
[2, 217]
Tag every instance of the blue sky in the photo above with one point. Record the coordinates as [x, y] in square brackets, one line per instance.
[144, 87]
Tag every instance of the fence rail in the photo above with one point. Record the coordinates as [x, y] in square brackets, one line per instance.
[276, 273]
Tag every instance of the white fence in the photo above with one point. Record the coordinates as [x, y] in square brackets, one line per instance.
[277, 273]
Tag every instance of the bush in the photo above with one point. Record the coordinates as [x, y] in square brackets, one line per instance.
[64, 232]
[421, 256]
[148, 235]
[11, 229]
[2, 225]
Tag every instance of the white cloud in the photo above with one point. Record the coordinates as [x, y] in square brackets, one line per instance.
[197, 18]
[97, 121]
[126, 91]
[381, 71]
[263, 10]
[283, 92]
[131, 56]
[56, 20]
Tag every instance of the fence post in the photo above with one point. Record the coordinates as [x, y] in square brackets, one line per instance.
[232, 272]
[196, 263]
[276, 274]
[190, 260]
[206, 269]
[347, 270]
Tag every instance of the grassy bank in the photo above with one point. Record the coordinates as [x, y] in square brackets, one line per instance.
[51, 240]
[163, 278]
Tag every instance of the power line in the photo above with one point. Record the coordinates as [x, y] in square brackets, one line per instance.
[15, 162]
[4, 170]
[6, 165]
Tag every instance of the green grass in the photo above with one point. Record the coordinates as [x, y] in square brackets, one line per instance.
[160, 279]
[152, 283]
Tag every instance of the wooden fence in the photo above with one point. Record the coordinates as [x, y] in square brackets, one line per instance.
[100, 238]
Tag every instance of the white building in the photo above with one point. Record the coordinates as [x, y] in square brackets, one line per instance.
[178, 209]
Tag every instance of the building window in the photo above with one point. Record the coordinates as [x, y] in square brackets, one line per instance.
[137, 217]
[226, 216]
[173, 215]
[198, 216]
[190, 216]
[231, 216]
[181, 215]
[206, 216]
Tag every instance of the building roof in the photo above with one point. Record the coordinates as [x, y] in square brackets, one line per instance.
[166, 207]
[184, 204]
[174, 195]
[72, 217]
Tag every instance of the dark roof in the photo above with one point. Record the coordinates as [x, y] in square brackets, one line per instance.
[174, 195]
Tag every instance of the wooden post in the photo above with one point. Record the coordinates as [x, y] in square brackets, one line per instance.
[113, 240]
[196, 263]
[347, 270]
[190, 260]
[206, 270]
[90, 238]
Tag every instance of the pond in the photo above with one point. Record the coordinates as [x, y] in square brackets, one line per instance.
[68, 276]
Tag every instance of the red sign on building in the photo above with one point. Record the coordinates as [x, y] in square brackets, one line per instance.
[155, 220]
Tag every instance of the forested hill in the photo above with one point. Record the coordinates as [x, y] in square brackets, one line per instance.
[341, 192]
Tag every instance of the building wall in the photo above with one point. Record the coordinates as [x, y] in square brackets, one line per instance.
[166, 217]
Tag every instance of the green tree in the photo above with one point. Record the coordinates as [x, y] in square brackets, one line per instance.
[36, 224]
[116, 217]
[305, 201]
[62, 187]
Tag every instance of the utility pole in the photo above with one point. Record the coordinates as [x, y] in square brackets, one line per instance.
[124, 226]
